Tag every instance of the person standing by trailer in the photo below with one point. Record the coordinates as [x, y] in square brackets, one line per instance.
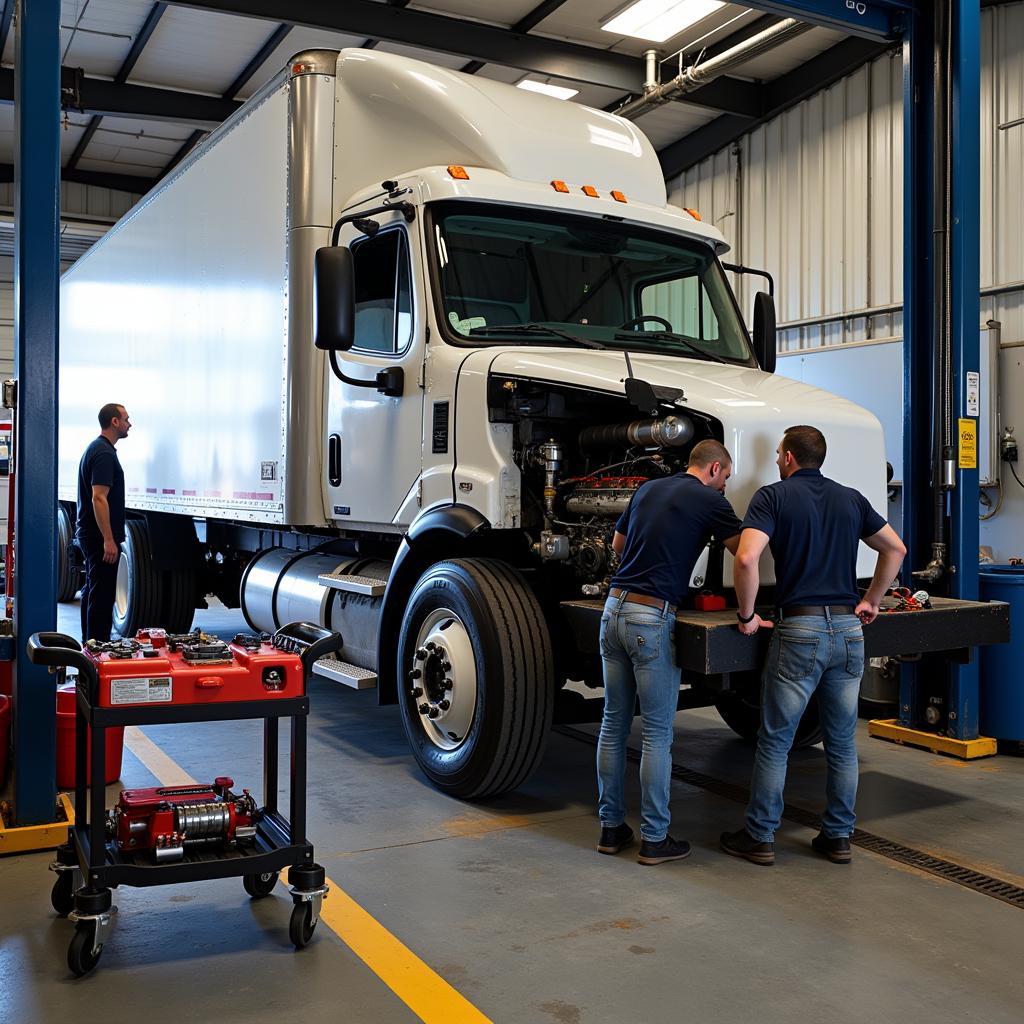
[814, 527]
[100, 521]
[659, 538]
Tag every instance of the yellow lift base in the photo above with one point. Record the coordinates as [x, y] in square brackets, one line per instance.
[967, 750]
[39, 837]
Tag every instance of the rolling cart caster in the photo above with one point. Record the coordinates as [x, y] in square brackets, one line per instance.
[258, 886]
[309, 889]
[92, 915]
[62, 896]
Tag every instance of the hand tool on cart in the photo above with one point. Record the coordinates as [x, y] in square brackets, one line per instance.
[182, 834]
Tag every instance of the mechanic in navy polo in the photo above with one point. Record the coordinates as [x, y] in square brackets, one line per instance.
[659, 537]
[100, 528]
[814, 527]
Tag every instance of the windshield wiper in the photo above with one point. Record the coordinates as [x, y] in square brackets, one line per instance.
[671, 336]
[533, 328]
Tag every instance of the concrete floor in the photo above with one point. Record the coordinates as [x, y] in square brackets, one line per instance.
[508, 901]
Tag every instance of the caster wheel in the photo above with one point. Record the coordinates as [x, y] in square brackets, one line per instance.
[302, 925]
[258, 886]
[62, 895]
[81, 958]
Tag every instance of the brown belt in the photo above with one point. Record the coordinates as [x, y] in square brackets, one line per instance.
[817, 609]
[632, 598]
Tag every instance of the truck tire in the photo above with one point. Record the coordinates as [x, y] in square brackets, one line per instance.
[475, 676]
[179, 604]
[741, 711]
[68, 576]
[138, 597]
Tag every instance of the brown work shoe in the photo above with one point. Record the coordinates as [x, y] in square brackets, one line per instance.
[743, 844]
[836, 848]
[614, 839]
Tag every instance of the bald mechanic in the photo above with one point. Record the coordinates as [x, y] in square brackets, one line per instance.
[660, 537]
[814, 527]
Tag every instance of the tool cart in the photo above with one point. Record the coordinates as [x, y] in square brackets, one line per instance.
[176, 834]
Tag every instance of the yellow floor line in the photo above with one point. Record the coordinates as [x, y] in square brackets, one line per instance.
[425, 992]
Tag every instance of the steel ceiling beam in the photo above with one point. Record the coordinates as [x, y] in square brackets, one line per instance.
[462, 38]
[119, 182]
[779, 95]
[529, 21]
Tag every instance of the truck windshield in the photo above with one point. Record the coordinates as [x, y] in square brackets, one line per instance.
[524, 277]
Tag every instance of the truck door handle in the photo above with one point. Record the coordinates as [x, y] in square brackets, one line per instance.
[334, 459]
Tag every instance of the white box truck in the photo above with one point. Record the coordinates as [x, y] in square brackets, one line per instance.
[510, 331]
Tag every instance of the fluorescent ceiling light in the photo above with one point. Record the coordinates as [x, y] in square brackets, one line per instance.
[658, 20]
[560, 92]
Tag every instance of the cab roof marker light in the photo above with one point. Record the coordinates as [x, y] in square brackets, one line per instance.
[618, 196]
[692, 212]
[458, 172]
[589, 190]
[558, 185]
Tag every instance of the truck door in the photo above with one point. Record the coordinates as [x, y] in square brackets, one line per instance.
[373, 450]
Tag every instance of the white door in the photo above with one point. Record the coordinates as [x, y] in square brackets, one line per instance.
[374, 441]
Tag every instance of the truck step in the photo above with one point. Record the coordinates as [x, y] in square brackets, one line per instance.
[369, 585]
[342, 672]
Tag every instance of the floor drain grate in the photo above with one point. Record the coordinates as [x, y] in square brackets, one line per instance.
[987, 885]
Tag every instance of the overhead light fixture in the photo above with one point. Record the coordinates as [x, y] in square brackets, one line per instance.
[560, 92]
[658, 20]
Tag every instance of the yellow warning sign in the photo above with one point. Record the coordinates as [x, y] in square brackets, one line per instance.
[968, 444]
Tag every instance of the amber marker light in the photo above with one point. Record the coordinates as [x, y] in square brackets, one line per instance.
[618, 196]
[693, 213]
[559, 186]
[458, 172]
[589, 190]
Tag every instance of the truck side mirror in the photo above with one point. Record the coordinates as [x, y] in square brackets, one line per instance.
[334, 310]
[764, 331]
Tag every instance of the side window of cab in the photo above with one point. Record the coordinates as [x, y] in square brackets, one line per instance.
[383, 292]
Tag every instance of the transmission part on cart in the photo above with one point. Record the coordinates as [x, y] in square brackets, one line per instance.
[173, 820]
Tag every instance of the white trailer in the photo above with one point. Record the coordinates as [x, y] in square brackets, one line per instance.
[515, 331]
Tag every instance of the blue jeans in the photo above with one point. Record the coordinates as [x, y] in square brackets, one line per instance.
[809, 653]
[638, 650]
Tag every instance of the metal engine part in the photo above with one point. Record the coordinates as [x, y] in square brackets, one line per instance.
[202, 821]
[669, 432]
[605, 496]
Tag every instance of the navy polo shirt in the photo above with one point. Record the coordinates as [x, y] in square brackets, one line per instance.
[100, 466]
[814, 526]
[667, 524]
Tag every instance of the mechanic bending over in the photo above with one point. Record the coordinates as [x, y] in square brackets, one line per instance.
[814, 527]
[659, 537]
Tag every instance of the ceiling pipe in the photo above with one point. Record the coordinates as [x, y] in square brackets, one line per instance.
[699, 74]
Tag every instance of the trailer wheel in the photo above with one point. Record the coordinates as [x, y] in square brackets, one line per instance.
[179, 605]
[476, 677]
[138, 597]
[68, 575]
[740, 709]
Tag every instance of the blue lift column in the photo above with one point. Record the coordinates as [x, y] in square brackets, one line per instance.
[36, 281]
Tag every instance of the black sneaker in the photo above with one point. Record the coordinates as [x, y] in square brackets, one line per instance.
[667, 849]
[614, 839]
[742, 844]
[836, 848]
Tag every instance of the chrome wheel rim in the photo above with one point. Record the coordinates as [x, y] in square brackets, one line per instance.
[441, 679]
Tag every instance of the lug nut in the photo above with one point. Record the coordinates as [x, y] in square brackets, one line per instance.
[445, 704]
[415, 674]
[431, 646]
[421, 654]
[447, 666]
[423, 709]
[433, 712]
[448, 684]
[417, 691]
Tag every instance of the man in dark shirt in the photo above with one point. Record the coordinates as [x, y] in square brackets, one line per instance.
[659, 537]
[814, 527]
[100, 527]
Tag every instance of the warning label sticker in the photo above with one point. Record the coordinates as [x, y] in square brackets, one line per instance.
[147, 690]
[968, 443]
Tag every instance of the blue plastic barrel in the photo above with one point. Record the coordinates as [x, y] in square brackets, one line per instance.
[1001, 705]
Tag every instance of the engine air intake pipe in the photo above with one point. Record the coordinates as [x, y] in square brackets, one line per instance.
[670, 432]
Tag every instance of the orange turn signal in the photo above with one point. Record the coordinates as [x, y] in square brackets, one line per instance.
[458, 172]
[693, 213]
[589, 190]
[559, 186]
[618, 196]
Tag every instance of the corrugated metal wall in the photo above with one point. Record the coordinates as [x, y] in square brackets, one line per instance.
[87, 200]
[815, 197]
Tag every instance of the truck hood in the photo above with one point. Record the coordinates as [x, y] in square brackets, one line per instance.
[754, 408]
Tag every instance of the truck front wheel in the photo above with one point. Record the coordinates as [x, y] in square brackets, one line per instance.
[475, 677]
[138, 597]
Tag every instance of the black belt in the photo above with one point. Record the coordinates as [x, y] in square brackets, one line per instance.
[651, 602]
[817, 609]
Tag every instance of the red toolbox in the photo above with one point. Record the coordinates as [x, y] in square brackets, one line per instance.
[114, 751]
[158, 668]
